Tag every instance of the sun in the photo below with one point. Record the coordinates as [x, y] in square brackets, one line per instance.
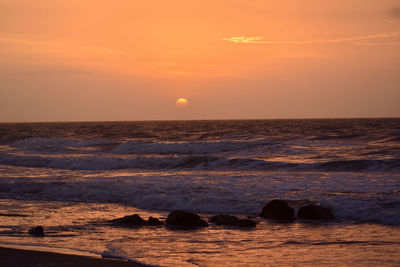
[181, 103]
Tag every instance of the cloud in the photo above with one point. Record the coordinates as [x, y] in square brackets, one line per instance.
[386, 38]
[244, 40]
[395, 12]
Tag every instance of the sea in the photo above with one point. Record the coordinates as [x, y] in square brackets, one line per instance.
[73, 177]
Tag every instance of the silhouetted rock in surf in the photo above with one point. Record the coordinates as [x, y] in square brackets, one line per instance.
[154, 222]
[224, 220]
[247, 223]
[185, 219]
[277, 210]
[135, 221]
[36, 231]
[131, 220]
[313, 212]
[229, 220]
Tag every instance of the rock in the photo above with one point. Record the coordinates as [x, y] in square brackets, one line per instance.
[277, 210]
[247, 223]
[225, 220]
[131, 220]
[135, 221]
[230, 220]
[185, 219]
[154, 221]
[36, 231]
[313, 212]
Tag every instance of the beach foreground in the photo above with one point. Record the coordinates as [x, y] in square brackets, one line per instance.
[16, 257]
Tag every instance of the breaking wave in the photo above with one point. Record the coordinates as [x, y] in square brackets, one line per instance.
[293, 154]
[196, 162]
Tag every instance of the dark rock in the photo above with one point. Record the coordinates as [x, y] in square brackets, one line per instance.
[277, 210]
[225, 220]
[154, 221]
[185, 219]
[230, 220]
[313, 212]
[247, 223]
[131, 220]
[36, 231]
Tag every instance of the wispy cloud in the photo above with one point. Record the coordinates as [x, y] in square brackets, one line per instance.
[245, 40]
[386, 38]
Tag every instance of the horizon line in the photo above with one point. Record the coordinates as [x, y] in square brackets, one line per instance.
[170, 120]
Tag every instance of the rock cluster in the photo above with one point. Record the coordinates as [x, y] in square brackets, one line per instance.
[182, 219]
[276, 209]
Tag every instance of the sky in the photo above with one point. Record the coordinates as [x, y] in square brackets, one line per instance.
[100, 60]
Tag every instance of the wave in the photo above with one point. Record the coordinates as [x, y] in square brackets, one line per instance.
[63, 145]
[59, 145]
[90, 162]
[315, 243]
[194, 162]
[135, 147]
[360, 165]
[336, 137]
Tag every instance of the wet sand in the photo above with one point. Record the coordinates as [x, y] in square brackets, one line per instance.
[20, 258]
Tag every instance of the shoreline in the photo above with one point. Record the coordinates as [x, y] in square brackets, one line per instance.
[12, 256]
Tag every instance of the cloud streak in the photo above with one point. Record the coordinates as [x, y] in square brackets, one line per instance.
[386, 38]
[245, 40]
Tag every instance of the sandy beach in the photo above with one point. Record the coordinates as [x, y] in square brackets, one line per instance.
[19, 258]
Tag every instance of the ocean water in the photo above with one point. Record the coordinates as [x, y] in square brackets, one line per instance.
[73, 177]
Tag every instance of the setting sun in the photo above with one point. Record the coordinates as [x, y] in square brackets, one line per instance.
[181, 103]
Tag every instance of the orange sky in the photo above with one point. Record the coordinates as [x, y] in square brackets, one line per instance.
[130, 60]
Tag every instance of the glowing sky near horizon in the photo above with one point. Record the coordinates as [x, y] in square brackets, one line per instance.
[131, 60]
